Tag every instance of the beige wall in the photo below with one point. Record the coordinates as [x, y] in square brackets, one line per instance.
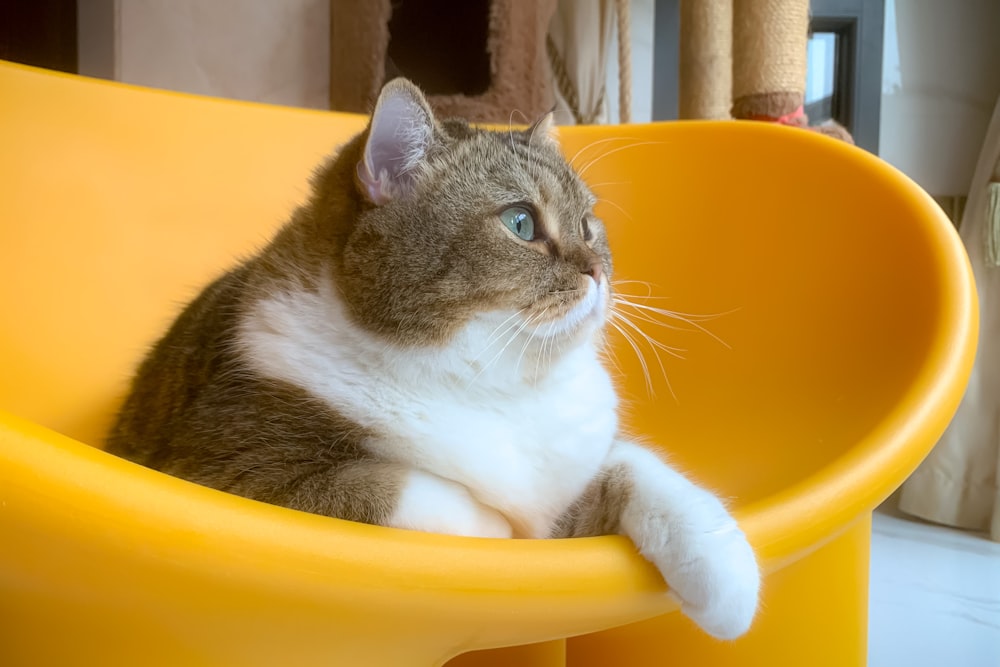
[264, 50]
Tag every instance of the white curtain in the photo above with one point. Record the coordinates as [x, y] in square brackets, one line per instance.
[579, 42]
[958, 483]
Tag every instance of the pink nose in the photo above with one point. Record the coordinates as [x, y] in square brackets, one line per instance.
[595, 271]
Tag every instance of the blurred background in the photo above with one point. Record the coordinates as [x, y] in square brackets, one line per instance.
[914, 80]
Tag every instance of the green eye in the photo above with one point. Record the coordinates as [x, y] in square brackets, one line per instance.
[520, 221]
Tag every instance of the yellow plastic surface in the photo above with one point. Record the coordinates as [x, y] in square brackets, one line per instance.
[845, 303]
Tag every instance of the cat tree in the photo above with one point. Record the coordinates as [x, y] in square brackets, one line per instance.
[483, 60]
[476, 59]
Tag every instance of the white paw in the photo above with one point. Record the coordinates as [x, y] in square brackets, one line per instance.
[710, 568]
[437, 505]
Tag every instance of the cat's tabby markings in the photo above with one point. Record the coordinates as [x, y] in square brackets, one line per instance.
[420, 348]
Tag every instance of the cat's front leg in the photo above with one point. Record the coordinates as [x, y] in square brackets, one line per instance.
[681, 528]
[437, 505]
[386, 494]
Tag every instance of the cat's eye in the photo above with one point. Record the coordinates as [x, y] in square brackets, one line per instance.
[585, 226]
[519, 220]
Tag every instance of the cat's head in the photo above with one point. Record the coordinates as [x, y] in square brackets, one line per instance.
[460, 224]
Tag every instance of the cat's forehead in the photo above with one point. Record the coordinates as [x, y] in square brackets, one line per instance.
[507, 164]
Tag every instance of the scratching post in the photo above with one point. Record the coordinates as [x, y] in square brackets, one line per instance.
[478, 59]
[769, 59]
[769, 64]
[706, 59]
[624, 61]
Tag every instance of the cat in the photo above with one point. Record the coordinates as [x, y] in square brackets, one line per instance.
[420, 347]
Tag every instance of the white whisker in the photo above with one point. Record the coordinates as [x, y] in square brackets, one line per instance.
[672, 351]
[682, 317]
[583, 170]
[510, 128]
[545, 341]
[620, 209]
[606, 184]
[647, 285]
[495, 333]
[649, 318]
[638, 354]
[572, 160]
[497, 356]
[652, 320]
[656, 346]
[608, 352]
[677, 314]
[696, 317]
[528, 339]
[498, 334]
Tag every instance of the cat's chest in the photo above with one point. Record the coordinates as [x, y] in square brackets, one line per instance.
[528, 449]
[527, 453]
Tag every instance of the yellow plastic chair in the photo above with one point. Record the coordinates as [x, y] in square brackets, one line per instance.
[844, 304]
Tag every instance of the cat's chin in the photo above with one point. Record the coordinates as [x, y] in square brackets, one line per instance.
[580, 323]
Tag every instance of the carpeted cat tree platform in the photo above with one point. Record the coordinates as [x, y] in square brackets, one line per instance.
[477, 59]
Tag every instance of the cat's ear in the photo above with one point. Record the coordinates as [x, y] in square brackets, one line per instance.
[400, 135]
[543, 131]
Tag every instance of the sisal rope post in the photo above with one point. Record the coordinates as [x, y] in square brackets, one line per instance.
[624, 61]
[769, 59]
[706, 59]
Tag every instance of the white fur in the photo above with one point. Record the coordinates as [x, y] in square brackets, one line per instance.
[471, 412]
[503, 433]
[436, 505]
[688, 534]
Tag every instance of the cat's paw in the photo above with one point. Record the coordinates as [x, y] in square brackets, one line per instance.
[712, 571]
[436, 505]
[719, 586]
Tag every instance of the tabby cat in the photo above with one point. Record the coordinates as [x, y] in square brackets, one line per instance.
[420, 347]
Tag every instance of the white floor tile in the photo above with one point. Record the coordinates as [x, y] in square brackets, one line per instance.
[935, 596]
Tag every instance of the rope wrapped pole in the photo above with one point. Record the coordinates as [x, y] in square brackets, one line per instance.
[624, 61]
[706, 59]
[769, 59]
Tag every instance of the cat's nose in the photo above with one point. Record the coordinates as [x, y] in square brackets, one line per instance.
[595, 271]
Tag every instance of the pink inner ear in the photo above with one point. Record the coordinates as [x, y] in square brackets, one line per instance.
[398, 139]
[376, 187]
